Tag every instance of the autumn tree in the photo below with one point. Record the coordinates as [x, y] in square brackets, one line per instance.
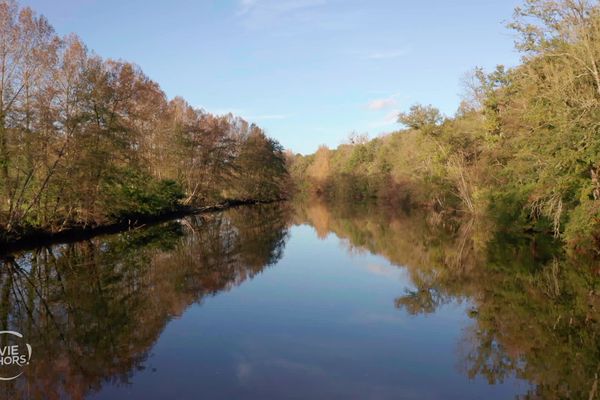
[87, 141]
[261, 167]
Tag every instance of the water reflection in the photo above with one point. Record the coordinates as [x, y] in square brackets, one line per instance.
[436, 302]
[535, 314]
[92, 310]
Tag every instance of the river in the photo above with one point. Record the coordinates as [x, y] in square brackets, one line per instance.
[303, 301]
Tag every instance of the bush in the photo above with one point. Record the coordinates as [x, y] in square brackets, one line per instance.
[134, 194]
[582, 232]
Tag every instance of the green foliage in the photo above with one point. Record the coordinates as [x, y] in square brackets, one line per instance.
[128, 193]
[419, 117]
[582, 232]
[523, 148]
[262, 169]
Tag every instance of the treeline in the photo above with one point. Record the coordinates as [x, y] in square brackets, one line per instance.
[523, 148]
[87, 141]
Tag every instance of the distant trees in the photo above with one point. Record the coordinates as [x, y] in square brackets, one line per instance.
[85, 140]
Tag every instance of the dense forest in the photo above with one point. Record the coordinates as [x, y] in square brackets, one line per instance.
[523, 149]
[86, 141]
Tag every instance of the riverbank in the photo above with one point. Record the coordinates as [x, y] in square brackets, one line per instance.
[39, 237]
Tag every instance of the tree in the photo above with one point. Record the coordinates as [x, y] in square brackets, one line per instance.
[261, 168]
[563, 29]
[27, 51]
[423, 118]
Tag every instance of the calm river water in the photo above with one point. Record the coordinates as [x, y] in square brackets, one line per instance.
[298, 301]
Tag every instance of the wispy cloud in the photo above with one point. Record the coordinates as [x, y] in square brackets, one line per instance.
[388, 109]
[382, 104]
[388, 54]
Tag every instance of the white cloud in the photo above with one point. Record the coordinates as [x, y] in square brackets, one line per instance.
[382, 104]
[388, 109]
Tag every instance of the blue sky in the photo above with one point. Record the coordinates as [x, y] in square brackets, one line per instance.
[308, 71]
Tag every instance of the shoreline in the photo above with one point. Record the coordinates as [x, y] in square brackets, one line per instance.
[39, 238]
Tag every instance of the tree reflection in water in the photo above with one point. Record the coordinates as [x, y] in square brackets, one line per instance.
[92, 310]
[535, 312]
